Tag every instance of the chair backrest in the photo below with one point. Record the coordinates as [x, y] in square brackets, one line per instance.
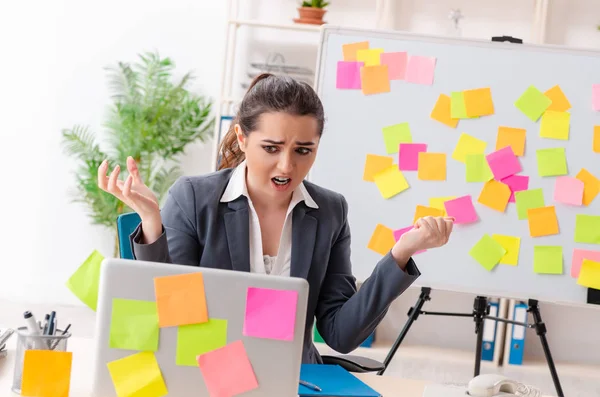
[126, 224]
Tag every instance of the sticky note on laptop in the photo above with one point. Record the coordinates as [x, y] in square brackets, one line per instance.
[180, 299]
[137, 375]
[270, 313]
[196, 339]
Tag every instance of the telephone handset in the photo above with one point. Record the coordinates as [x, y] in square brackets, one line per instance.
[493, 385]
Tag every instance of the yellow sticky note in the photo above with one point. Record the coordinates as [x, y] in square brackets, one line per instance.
[542, 221]
[382, 240]
[495, 195]
[468, 144]
[596, 144]
[46, 373]
[374, 79]
[438, 202]
[441, 111]
[478, 102]
[589, 275]
[375, 164]
[560, 103]
[555, 125]
[137, 375]
[513, 137]
[390, 181]
[512, 245]
[421, 212]
[370, 56]
[591, 185]
[432, 166]
[349, 50]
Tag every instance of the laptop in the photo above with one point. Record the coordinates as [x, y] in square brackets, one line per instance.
[251, 330]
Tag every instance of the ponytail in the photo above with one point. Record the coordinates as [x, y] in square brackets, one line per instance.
[231, 154]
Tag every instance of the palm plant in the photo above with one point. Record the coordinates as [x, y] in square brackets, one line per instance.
[151, 119]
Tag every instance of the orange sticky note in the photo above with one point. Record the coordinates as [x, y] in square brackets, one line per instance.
[375, 164]
[46, 373]
[513, 137]
[495, 195]
[382, 240]
[421, 211]
[478, 102]
[180, 299]
[597, 139]
[560, 103]
[432, 166]
[441, 111]
[375, 79]
[349, 50]
[542, 221]
[591, 185]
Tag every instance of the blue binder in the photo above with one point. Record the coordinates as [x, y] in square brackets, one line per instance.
[517, 339]
[489, 334]
[334, 381]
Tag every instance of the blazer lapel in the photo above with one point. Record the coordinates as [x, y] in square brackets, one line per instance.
[237, 230]
[304, 230]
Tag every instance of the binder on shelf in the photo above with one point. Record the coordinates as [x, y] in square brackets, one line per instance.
[517, 336]
[489, 334]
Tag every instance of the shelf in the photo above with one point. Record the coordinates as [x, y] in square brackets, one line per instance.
[281, 26]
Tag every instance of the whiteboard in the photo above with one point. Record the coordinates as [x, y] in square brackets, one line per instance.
[353, 129]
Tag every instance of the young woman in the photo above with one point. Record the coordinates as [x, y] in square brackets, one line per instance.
[258, 214]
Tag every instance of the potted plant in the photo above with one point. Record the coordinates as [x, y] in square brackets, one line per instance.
[312, 12]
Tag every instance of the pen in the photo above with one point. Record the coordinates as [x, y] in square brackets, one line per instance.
[50, 329]
[309, 385]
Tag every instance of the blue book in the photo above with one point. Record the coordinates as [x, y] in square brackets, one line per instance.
[334, 381]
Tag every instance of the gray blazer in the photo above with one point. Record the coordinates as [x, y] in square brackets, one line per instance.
[195, 221]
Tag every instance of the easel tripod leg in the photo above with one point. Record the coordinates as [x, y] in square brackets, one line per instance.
[480, 310]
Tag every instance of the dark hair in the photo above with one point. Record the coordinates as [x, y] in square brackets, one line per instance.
[269, 93]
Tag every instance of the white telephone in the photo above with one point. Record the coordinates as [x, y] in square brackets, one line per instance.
[487, 385]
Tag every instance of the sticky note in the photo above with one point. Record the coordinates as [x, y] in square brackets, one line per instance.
[134, 325]
[438, 202]
[390, 182]
[527, 199]
[596, 97]
[589, 276]
[374, 164]
[461, 209]
[551, 162]
[441, 111]
[512, 245]
[137, 375]
[180, 299]
[547, 259]
[555, 125]
[542, 221]
[370, 56]
[533, 103]
[568, 190]
[399, 232]
[578, 256]
[420, 69]
[396, 63]
[382, 240]
[421, 212]
[270, 313]
[394, 135]
[467, 144]
[477, 168]
[494, 195]
[478, 102]
[374, 79]
[560, 103]
[228, 371]
[503, 163]
[587, 229]
[516, 183]
[591, 185]
[457, 105]
[432, 166]
[513, 137]
[349, 50]
[408, 155]
[348, 75]
[487, 252]
[196, 339]
[596, 140]
[86, 279]
[46, 373]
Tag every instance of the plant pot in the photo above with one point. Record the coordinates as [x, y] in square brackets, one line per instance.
[310, 15]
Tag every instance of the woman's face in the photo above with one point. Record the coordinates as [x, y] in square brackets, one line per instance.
[279, 153]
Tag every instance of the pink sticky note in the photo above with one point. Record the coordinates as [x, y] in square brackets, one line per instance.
[227, 371]
[503, 163]
[568, 190]
[596, 97]
[348, 75]
[420, 69]
[516, 183]
[399, 232]
[408, 155]
[270, 313]
[462, 209]
[578, 256]
[396, 62]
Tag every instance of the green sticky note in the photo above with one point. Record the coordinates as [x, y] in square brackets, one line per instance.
[196, 339]
[555, 125]
[477, 168]
[587, 229]
[528, 199]
[551, 162]
[84, 282]
[134, 325]
[317, 336]
[487, 252]
[458, 110]
[547, 259]
[533, 103]
[394, 135]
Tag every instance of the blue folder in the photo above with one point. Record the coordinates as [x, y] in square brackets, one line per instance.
[334, 381]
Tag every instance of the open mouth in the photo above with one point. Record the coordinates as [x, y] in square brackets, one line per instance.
[281, 181]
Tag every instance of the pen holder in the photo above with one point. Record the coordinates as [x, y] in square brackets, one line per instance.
[26, 341]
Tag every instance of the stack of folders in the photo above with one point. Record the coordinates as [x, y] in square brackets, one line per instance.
[333, 381]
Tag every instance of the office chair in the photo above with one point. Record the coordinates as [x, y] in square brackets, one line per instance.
[126, 224]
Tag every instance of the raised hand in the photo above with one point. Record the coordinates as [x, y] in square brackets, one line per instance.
[428, 232]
